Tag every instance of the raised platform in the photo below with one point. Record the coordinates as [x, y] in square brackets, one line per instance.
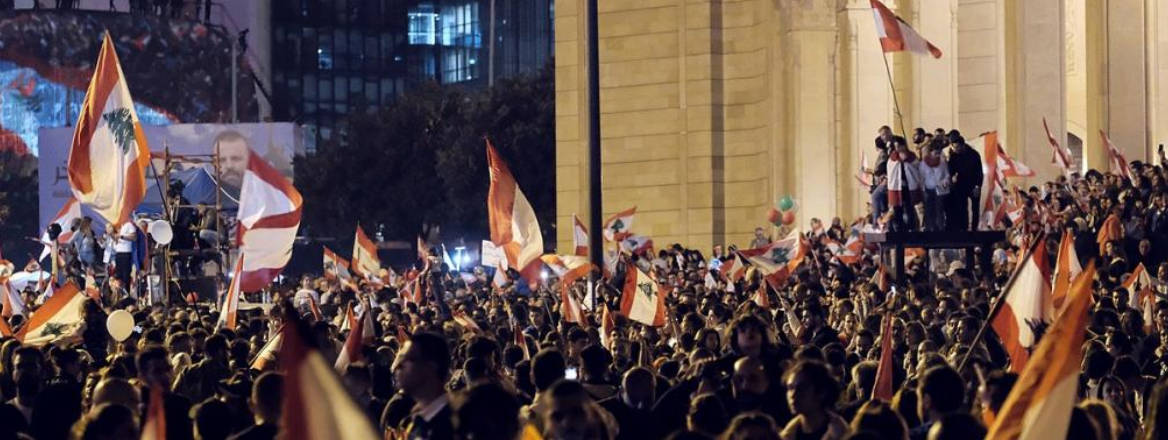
[895, 242]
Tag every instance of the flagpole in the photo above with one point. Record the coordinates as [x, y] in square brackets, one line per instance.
[892, 87]
[595, 199]
[1001, 299]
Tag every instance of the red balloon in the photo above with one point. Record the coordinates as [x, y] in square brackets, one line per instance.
[773, 216]
[788, 217]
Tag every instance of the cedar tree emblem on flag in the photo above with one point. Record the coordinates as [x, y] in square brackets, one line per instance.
[647, 289]
[122, 128]
[779, 255]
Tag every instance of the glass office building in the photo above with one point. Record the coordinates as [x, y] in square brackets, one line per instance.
[334, 57]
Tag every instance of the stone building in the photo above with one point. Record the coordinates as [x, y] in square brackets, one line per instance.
[713, 109]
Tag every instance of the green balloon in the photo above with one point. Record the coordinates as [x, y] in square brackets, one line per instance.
[785, 203]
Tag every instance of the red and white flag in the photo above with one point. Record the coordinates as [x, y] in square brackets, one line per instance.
[351, 351]
[993, 196]
[365, 260]
[269, 216]
[568, 268]
[761, 298]
[896, 35]
[521, 341]
[155, 426]
[571, 311]
[883, 388]
[1139, 287]
[620, 225]
[514, 226]
[736, 270]
[466, 322]
[231, 297]
[266, 358]
[60, 316]
[636, 244]
[780, 259]
[334, 266]
[10, 300]
[1040, 404]
[607, 326]
[864, 174]
[642, 300]
[579, 236]
[1061, 157]
[70, 211]
[1010, 167]
[1027, 300]
[109, 155]
[1066, 269]
[316, 404]
[1118, 162]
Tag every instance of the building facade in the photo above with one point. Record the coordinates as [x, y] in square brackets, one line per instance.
[711, 110]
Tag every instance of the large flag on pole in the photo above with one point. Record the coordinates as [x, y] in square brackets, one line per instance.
[896, 35]
[642, 299]
[993, 195]
[514, 226]
[1061, 156]
[1066, 269]
[60, 316]
[1118, 162]
[1027, 300]
[579, 236]
[269, 216]
[778, 260]
[109, 155]
[365, 261]
[1040, 404]
[618, 227]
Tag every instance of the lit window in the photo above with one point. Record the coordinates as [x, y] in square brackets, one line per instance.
[423, 29]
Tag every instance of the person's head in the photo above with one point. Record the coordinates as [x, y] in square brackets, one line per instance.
[749, 336]
[941, 391]
[233, 152]
[810, 388]
[877, 416]
[116, 391]
[28, 370]
[707, 415]
[487, 411]
[885, 133]
[571, 413]
[209, 417]
[577, 341]
[153, 366]
[215, 347]
[423, 365]
[107, 422]
[639, 388]
[267, 397]
[752, 426]
[749, 382]
[1103, 416]
[759, 234]
[957, 426]
[547, 368]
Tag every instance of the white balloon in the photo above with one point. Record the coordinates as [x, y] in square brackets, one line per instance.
[161, 232]
[120, 324]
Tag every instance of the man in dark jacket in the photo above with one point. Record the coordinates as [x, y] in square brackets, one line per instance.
[965, 169]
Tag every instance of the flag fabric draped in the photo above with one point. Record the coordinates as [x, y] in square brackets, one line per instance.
[351, 351]
[1110, 230]
[642, 300]
[568, 268]
[231, 298]
[267, 355]
[316, 404]
[579, 236]
[1010, 167]
[1119, 163]
[1026, 300]
[761, 298]
[70, 211]
[1060, 156]
[636, 244]
[571, 310]
[10, 299]
[619, 226]
[778, 260]
[883, 388]
[108, 156]
[269, 216]
[514, 226]
[607, 325]
[1139, 287]
[1066, 268]
[1040, 405]
[365, 260]
[59, 316]
[993, 196]
[736, 270]
[896, 35]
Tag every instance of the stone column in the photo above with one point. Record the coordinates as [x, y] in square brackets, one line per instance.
[1127, 121]
[1037, 82]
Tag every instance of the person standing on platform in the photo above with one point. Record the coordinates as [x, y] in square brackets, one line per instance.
[904, 187]
[935, 174]
[965, 193]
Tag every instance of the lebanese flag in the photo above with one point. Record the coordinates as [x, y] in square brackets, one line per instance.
[266, 358]
[883, 388]
[521, 341]
[60, 316]
[636, 244]
[466, 322]
[760, 297]
[315, 309]
[642, 300]
[231, 298]
[851, 251]
[1060, 156]
[607, 326]
[365, 261]
[155, 426]
[993, 181]
[571, 310]
[780, 259]
[10, 299]
[1066, 269]
[737, 269]
[109, 155]
[351, 351]
[1110, 230]
[1118, 161]
[514, 226]
[269, 216]
[579, 236]
[316, 404]
[1027, 299]
[568, 268]
[334, 266]
[401, 336]
[1139, 287]
[863, 175]
[347, 321]
[1040, 404]
[71, 210]
[617, 227]
[896, 35]
[1010, 167]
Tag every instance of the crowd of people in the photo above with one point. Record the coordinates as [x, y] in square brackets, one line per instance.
[475, 358]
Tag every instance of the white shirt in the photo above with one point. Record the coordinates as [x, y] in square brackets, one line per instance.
[126, 244]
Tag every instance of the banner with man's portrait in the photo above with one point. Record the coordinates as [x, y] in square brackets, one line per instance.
[276, 142]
